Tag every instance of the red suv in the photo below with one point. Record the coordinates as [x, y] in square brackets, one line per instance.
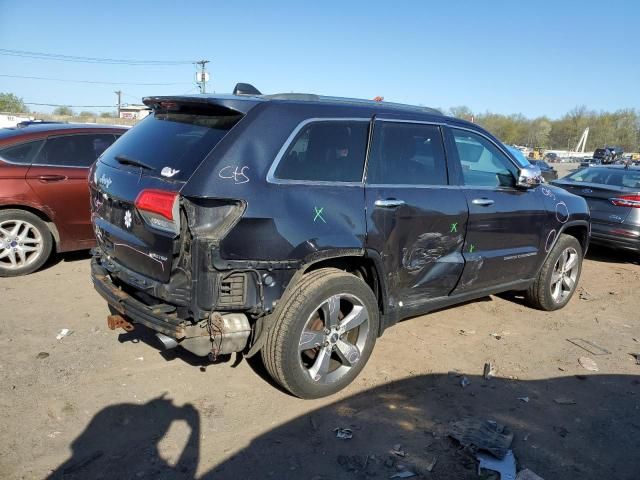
[44, 196]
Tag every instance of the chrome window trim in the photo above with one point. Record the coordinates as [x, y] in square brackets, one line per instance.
[288, 142]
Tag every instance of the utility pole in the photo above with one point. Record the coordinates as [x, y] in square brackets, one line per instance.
[203, 75]
[119, 93]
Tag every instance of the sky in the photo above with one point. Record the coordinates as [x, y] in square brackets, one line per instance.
[535, 57]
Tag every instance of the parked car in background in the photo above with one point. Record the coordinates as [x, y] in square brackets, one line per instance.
[590, 162]
[548, 172]
[551, 157]
[608, 154]
[613, 195]
[301, 227]
[44, 196]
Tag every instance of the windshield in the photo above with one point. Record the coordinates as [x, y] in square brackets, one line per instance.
[170, 144]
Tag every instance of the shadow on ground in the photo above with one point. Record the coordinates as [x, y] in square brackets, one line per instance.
[66, 257]
[597, 437]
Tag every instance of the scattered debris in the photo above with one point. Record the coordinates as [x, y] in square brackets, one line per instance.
[140, 358]
[483, 434]
[397, 450]
[585, 295]
[564, 401]
[489, 371]
[637, 357]
[613, 292]
[563, 432]
[465, 382]
[343, 433]
[403, 474]
[590, 347]
[588, 364]
[524, 399]
[466, 332]
[42, 355]
[65, 332]
[506, 467]
[527, 474]
[53, 434]
[497, 336]
[430, 461]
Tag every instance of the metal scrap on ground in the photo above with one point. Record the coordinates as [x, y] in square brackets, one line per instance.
[343, 433]
[588, 364]
[506, 466]
[590, 347]
[482, 434]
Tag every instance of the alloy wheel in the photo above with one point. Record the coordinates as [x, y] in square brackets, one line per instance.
[564, 275]
[20, 244]
[333, 338]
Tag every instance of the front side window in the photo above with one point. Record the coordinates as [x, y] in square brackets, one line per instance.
[326, 151]
[73, 150]
[406, 154]
[22, 153]
[483, 164]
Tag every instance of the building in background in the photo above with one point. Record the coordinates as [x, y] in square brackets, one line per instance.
[8, 120]
[134, 112]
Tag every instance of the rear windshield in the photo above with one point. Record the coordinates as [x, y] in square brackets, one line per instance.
[172, 144]
[618, 177]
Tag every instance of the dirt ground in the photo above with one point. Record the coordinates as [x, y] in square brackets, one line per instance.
[103, 404]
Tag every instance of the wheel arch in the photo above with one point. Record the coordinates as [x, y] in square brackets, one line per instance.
[42, 215]
[580, 230]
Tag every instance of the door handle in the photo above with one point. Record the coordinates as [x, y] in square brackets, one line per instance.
[389, 203]
[483, 202]
[51, 178]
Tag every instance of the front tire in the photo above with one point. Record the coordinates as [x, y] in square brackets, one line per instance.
[558, 278]
[25, 243]
[324, 334]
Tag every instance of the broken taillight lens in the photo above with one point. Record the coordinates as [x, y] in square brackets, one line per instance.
[632, 200]
[160, 209]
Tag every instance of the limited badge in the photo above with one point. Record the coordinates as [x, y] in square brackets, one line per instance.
[127, 219]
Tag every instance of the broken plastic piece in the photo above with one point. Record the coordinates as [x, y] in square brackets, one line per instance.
[590, 347]
[403, 474]
[397, 450]
[343, 433]
[465, 382]
[637, 357]
[505, 467]
[524, 399]
[65, 332]
[527, 474]
[430, 461]
[588, 364]
[489, 371]
[483, 434]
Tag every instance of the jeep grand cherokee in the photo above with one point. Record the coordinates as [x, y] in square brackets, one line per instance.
[302, 226]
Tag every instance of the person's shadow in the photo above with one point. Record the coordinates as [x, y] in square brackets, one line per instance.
[122, 441]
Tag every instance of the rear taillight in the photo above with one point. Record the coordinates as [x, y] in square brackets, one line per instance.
[632, 201]
[160, 209]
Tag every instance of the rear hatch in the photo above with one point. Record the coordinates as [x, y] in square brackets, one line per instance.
[135, 184]
[611, 194]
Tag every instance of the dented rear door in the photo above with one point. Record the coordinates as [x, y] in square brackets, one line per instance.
[415, 219]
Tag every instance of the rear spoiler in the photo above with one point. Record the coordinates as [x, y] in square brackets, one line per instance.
[231, 103]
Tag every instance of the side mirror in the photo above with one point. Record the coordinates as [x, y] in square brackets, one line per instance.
[529, 177]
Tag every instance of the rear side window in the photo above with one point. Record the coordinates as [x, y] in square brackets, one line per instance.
[74, 150]
[407, 154]
[617, 177]
[483, 164]
[326, 151]
[177, 140]
[22, 153]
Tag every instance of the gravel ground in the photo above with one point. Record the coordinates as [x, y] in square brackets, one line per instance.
[103, 404]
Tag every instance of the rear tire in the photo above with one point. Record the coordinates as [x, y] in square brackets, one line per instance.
[558, 278]
[336, 316]
[25, 242]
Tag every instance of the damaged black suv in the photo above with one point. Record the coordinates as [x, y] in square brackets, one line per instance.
[302, 226]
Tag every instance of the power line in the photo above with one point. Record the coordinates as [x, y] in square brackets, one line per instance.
[75, 58]
[70, 106]
[91, 81]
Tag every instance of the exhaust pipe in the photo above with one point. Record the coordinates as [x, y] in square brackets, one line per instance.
[167, 342]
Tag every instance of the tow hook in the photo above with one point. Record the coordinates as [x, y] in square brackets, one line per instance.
[117, 321]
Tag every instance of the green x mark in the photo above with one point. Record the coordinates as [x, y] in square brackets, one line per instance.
[454, 228]
[318, 214]
[472, 247]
